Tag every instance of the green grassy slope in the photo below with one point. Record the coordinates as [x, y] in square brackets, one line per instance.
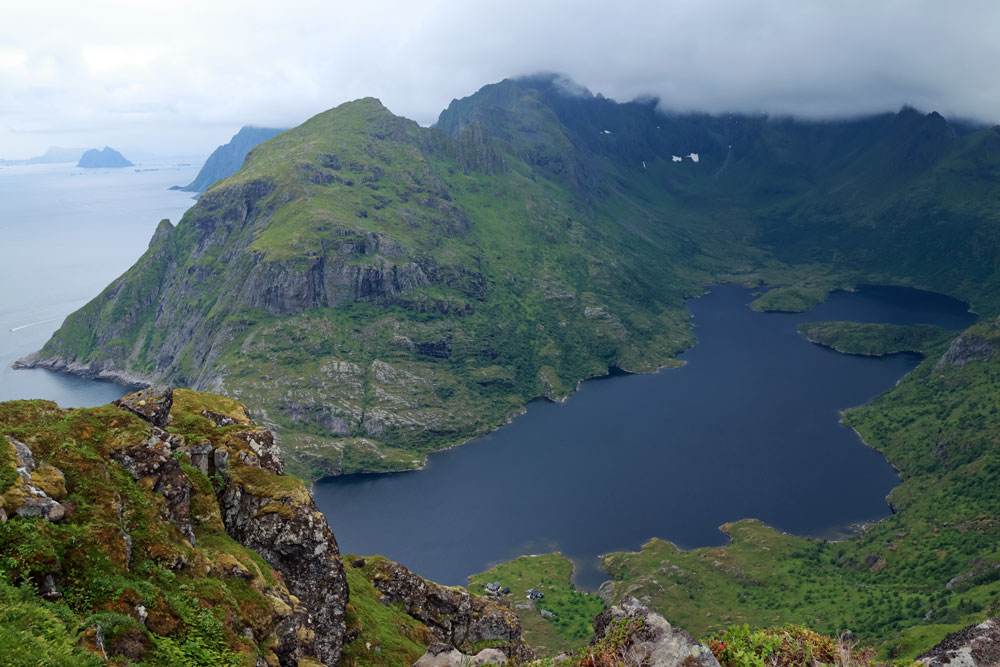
[379, 290]
[573, 611]
[457, 286]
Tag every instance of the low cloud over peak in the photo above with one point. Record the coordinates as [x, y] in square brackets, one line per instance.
[183, 76]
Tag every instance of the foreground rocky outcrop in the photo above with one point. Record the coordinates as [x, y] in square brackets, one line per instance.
[179, 500]
[445, 655]
[261, 509]
[655, 642]
[454, 616]
[627, 634]
[974, 646]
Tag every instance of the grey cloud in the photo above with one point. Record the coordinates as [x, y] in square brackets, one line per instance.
[196, 68]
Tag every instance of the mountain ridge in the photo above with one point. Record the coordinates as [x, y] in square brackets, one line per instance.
[228, 158]
[436, 279]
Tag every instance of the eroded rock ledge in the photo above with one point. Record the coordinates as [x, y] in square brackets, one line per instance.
[454, 616]
[261, 508]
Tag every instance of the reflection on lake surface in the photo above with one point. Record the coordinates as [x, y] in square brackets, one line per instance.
[749, 427]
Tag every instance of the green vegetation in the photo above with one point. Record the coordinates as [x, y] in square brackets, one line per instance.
[34, 632]
[125, 577]
[875, 340]
[790, 299]
[386, 635]
[574, 611]
[785, 646]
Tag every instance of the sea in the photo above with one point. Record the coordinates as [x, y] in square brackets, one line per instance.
[65, 234]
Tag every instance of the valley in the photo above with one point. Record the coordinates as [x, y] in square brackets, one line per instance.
[377, 291]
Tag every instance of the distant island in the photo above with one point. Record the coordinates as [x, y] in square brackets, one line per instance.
[107, 158]
[54, 154]
[227, 159]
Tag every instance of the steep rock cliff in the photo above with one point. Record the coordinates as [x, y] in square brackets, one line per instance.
[169, 518]
[451, 614]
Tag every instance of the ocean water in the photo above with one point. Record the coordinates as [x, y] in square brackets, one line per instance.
[65, 234]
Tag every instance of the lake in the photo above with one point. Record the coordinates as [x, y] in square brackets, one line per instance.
[66, 234]
[748, 427]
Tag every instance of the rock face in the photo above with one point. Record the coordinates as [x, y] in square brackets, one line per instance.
[974, 646]
[261, 508]
[445, 655]
[969, 347]
[657, 644]
[152, 461]
[454, 616]
[151, 404]
[227, 159]
[284, 526]
[107, 158]
[30, 495]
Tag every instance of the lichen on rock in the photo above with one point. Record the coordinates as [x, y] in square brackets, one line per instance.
[29, 495]
[657, 642]
[208, 545]
[453, 615]
[974, 646]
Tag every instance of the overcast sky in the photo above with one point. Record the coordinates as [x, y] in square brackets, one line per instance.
[178, 77]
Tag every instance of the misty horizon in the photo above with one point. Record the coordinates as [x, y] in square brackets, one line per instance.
[562, 82]
[180, 78]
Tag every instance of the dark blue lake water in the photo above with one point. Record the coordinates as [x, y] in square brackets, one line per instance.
[749, 427]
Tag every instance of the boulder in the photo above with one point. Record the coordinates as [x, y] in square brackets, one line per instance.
[152, 404]
[28, 496]
[445, 655]
[974, 646]
[656, 643]
[453, 615]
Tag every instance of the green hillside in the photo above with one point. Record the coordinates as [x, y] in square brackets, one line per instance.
[378, 290]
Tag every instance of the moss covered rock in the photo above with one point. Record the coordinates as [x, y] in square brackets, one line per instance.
[153, 559]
